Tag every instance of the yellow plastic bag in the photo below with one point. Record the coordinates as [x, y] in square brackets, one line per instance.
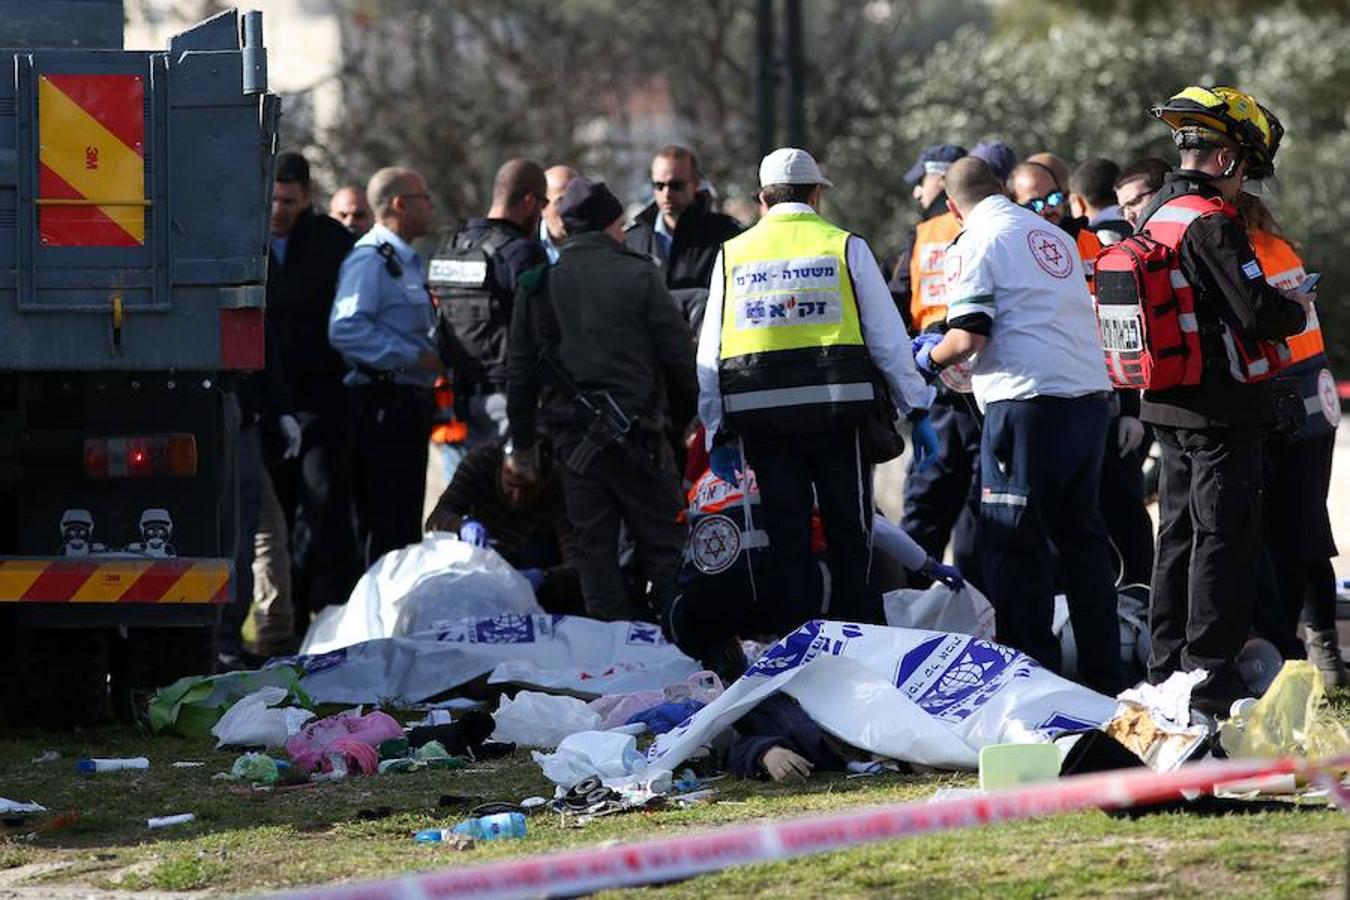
[1292, 719]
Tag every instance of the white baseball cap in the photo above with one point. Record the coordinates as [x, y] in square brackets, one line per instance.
[788, 165]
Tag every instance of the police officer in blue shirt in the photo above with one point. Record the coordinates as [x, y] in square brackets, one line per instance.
[382, 324]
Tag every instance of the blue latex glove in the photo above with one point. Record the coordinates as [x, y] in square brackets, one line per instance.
[922, 348]
[534, 576]
[723, 461]
[948, 575]
[471, 531]
[926, 445]
[665, 716]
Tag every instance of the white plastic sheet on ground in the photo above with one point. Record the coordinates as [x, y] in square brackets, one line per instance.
[567, 654]
[604, 754]
[532, 719]
[941, 609]
[921, 696]
[422, 587]
[256, 721]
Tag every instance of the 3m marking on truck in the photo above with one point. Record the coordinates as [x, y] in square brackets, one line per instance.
[114, 581]
[91, 181]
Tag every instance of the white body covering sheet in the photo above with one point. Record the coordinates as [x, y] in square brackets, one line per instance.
[563, 654]
[925, 697]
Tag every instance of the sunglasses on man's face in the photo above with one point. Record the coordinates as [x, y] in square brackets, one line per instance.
[1039, 205]
[676, 185]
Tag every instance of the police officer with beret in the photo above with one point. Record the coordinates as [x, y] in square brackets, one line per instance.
[596, 342]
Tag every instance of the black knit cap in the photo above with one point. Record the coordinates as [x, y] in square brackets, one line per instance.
[588, 206]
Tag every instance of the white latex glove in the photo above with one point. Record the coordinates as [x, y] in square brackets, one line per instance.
[290, 430]
[782, 764]
[1131, 434]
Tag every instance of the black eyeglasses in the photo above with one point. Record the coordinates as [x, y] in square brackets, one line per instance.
[675, 185]
[1039, 205]
[1138, 201]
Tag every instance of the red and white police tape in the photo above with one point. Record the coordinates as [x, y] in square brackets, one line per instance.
[574, 872]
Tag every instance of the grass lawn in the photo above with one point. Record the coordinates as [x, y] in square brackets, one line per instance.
[266, 841]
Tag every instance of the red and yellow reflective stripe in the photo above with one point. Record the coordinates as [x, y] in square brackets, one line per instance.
[91, 180]
[114, 581]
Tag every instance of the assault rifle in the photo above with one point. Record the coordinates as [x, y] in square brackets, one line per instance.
[604, 423]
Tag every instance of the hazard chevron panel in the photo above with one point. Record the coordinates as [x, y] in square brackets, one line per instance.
[96, 580]
[91, 160]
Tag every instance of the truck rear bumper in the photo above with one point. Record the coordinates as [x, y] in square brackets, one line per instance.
[97, 592]
[101, 580]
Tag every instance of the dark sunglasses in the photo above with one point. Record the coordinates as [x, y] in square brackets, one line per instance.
[1039, 205]
[669, 185]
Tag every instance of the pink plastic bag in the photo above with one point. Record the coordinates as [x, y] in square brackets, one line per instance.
[616, 709]
[308, 747]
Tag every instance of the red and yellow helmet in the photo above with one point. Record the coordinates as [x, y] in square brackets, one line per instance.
[1227, 113]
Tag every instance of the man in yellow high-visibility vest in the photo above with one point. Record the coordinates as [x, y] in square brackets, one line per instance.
[800, 342]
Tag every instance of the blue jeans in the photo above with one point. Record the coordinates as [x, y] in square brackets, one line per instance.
[1040, 464]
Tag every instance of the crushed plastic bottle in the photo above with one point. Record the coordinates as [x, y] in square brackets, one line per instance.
[491, 828]
[88, 765]
[432, 835]
[444, 836]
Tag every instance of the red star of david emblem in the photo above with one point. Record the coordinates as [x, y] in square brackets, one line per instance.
[1050, 253]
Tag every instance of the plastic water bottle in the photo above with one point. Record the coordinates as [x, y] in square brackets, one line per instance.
[111, 765]
[432, 835]
[491, 828]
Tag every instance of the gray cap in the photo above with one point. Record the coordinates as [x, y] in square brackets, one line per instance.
[788, 165]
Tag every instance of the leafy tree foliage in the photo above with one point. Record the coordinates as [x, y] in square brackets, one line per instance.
[454, 87]
[1084, 88]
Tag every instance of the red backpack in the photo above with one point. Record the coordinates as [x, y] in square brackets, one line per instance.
[1146, 308]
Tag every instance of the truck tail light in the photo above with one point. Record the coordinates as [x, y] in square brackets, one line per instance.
[151, 456]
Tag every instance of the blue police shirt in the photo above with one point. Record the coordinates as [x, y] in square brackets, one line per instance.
[380, 322]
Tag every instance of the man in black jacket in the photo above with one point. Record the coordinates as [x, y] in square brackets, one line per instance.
[479, 309]
[601, 322]
[680, 230]
[1209, 538]
[315, 489]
